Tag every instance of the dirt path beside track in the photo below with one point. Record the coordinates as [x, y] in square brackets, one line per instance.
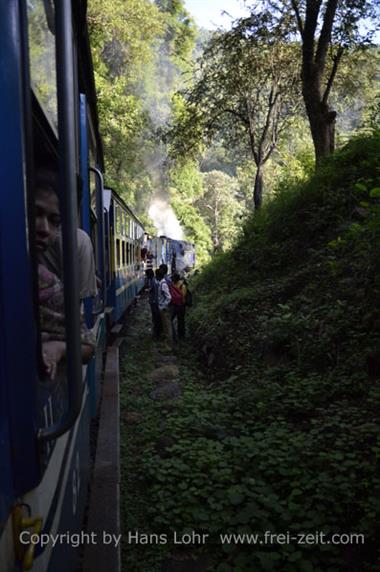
[151, 382]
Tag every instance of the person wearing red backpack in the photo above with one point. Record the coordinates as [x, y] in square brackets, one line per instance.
[177, 290]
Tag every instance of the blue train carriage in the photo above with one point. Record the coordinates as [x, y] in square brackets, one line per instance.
[48, 117]
[126, 244]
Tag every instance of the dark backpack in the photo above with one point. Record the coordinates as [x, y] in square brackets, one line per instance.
[177, 296]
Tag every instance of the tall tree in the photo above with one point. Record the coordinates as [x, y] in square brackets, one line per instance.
[327, 29]
[246, 89]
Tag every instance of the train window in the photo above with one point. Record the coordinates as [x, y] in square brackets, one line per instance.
[123, 257]
[117, 227]
[42, 56]
[92, 181]
[117, 253]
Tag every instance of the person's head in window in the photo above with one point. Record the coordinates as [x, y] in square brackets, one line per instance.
[47, 215]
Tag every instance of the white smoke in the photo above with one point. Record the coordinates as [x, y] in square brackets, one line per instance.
[164, 218]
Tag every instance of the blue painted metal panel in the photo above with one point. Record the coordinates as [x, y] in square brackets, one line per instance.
[18, 337]
[131, 286]
[64, 556]
[6, 492]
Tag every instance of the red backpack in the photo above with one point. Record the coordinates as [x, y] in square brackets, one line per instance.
[177, 296]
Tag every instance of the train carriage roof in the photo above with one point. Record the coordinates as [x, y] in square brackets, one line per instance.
[109, 193]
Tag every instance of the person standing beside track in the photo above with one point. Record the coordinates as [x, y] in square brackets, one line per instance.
[178, 308]
[164, 299]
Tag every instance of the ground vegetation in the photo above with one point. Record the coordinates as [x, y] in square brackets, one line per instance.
[276, 427]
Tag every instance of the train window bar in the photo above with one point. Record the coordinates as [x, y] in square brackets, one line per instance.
[101, 237]
[68, 206]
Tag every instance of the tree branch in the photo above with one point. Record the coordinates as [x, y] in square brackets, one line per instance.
[330, 81]
[296, 9]
[325, 36]
[272, 108]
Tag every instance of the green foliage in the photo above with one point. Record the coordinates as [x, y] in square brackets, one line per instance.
[142, 56]
[139, 49]
[185, 188]
[246, 89]
[357, 74]
[123, 59]
[179, 32]
[220, 208]
[207, 206]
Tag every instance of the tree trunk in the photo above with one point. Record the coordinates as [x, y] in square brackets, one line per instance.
[322, 125]
[258, 188]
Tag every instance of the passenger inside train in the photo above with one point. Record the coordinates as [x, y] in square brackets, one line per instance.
[51, 300]
[52, 256]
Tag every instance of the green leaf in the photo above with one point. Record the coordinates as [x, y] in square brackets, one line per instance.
[235, 497]
[375, 193]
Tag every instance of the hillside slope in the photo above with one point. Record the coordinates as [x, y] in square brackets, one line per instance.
[289, 323]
